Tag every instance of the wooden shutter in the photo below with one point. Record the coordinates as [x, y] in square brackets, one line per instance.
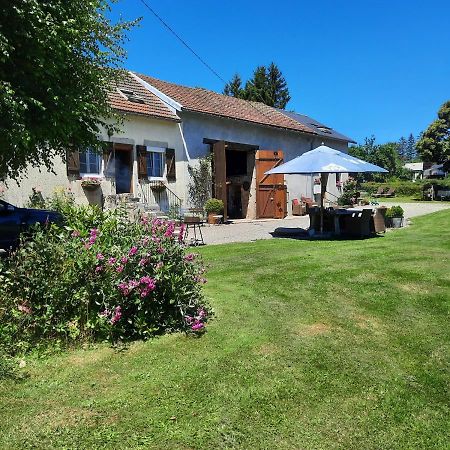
[142, 161]
[73, 162]
[170, 164]
[107, 159]
[220, 177]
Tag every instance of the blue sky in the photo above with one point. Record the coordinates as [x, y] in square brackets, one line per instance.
[362, 67]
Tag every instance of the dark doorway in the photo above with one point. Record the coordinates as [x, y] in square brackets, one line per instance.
[236, 163]
[234, 201]
[123, 167]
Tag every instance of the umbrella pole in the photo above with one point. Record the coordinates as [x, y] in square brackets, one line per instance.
[323, 188]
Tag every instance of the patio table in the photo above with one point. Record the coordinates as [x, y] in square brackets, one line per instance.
[333, 217]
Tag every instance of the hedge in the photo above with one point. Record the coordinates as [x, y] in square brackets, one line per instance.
[407, 188]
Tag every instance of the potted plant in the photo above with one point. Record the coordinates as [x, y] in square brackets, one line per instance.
[214, 207]
[90, 184]
[394, 216]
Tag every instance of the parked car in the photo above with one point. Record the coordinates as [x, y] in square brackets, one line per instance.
[15, 220]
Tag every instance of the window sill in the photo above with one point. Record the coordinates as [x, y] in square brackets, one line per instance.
[85, 176]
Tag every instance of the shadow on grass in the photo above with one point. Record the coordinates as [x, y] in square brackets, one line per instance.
[303, 234]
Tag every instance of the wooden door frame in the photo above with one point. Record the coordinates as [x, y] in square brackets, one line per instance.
[220, 175]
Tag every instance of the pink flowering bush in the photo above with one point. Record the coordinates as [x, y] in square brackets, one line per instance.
[116, 280]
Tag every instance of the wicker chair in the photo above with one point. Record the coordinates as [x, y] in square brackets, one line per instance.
[297, 208]
[379, 220]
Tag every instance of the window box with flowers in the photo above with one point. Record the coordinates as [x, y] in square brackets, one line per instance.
[90, 184]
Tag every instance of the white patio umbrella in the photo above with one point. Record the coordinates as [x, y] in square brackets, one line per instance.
[325, 160]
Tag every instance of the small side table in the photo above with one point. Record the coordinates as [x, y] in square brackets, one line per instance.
[194, 223]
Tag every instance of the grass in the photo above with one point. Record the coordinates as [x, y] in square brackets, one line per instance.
[342, 344]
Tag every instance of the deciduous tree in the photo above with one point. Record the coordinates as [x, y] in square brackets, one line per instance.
[434, 143]
[58, 58]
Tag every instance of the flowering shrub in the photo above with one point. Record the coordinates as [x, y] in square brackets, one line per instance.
[118, 280]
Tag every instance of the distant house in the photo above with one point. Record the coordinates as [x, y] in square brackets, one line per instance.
[168, 127]
[420, 170]
[435, 171]
[416, 170]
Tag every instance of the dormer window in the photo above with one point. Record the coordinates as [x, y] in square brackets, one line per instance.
[131, 96]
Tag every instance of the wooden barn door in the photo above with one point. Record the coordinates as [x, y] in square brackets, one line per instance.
[271, 197]
[220, 175]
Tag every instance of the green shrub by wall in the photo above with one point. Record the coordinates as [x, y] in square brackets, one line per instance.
[406, 188]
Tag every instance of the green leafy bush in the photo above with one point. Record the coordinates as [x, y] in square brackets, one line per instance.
[407, 188]
[214, 206]
[394, 211]
[115, 280]
[350, 193]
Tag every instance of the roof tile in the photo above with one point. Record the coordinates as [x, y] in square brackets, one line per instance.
[209, 102]
[152, 106]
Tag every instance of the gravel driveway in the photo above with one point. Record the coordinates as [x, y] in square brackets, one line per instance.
[247, 231]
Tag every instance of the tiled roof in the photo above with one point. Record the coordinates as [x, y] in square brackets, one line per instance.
[152, 106]
[209, 102]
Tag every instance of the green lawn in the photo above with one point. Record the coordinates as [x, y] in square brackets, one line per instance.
[342, 344]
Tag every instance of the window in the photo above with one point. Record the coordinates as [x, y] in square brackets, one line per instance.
[90, 162]
[155, 162]
[131, 96]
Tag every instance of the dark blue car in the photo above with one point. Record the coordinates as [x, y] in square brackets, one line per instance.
[14, 220]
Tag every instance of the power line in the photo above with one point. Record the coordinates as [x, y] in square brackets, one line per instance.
[182, 40]
[260, 111]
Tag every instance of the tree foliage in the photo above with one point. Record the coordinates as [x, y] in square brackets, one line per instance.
[434, 144]
[200, 183]
[383, 155]
[234, 87]
[267, 86]
[407, 148]
[58, 59]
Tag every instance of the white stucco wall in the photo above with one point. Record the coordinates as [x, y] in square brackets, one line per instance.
[136, 130]
[140, 130]
[197, 126]
[187, 140]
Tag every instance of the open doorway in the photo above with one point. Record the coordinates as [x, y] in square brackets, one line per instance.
[234, 165]
[123, 167]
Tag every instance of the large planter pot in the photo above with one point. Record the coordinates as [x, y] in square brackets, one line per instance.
[397, 222]
[214, 218]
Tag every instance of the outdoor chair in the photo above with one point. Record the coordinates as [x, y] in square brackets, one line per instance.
[308, 203]
[379, 220]
[389, 193]
[379, 192]
[297, 208]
